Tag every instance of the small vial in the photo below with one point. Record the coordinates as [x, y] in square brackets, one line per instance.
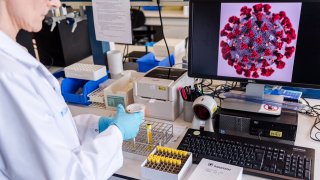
[159, 148]
[149, 136]
[166, 160]
[184, 153]
[178, 162]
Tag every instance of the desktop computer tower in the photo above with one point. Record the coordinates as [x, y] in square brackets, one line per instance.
[280, 129]
[61, 47]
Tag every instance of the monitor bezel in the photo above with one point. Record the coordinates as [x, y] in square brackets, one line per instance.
[226, 78]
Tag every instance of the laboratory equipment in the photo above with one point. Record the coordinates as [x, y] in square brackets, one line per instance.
[74, 20]
[161, 134]
[158, 90]
[166, 163]
[204, 107]
[149, 136]
[85, 71]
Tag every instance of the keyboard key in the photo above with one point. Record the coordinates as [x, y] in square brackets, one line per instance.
[300, 175]
[248, 165]
[256, 166]
[308, 165]
[307, 174]
[241, 163]
[234, 162]
[266, 168]
[259, 151]
[301, 161]
[279, 171]
[289, 173]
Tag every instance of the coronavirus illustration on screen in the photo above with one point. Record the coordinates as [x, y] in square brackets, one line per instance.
[259, 41]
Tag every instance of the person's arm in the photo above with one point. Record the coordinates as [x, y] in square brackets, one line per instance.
[34, 143]
[100, 158]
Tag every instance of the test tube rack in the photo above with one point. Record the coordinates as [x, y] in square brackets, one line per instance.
[161, 134]
[166, 163]
[96, 98]
[89, 72]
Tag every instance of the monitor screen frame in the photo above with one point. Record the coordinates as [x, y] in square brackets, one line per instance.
[193, 74]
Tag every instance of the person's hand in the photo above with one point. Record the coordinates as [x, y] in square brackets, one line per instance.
[104, 123]
[128, 129]
[127, 123]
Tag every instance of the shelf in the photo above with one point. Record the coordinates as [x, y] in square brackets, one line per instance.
[133, 3]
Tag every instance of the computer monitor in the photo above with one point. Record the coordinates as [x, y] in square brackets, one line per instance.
[256, 41]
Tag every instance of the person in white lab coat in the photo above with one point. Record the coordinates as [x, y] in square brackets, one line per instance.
[39, 138]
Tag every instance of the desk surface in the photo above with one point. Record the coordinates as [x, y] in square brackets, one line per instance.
[131, 165]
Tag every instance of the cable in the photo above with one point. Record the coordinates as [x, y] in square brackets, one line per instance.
[164, 38]
[206, 87]
[313, 111]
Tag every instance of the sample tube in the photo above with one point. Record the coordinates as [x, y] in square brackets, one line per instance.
[149, 136]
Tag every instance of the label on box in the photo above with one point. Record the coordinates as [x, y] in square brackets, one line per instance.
[208, 169]
[275, 133]
[113, 101]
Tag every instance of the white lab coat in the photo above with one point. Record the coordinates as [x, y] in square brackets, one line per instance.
[39, 138]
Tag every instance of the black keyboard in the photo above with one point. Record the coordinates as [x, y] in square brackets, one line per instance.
[260, 158]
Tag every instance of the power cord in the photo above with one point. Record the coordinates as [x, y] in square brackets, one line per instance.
[313, 111]
[206, 87]
[164, 38]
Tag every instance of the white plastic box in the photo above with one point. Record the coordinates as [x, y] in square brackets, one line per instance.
[153, 174]
[121, 90]
[176, 47]
[89, 72]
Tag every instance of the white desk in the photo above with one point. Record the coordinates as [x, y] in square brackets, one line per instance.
[131, 166]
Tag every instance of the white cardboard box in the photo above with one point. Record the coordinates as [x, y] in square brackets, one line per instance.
[208, 169]
[153, 174]
[176, 47]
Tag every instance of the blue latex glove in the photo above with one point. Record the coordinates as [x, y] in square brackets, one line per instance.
[127, 123]
[104, 123]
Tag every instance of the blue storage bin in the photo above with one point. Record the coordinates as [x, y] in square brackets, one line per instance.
[151, 8]
[149, 61]
[59, 74]
[69, 86]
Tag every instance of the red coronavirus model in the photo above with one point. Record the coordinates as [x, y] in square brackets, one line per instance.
[257, 40]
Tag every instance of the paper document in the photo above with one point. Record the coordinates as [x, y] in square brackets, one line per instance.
[112, 20]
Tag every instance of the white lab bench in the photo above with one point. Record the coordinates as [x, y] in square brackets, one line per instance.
[131, 165]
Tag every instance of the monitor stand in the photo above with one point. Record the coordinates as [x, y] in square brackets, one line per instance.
[256, 91]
